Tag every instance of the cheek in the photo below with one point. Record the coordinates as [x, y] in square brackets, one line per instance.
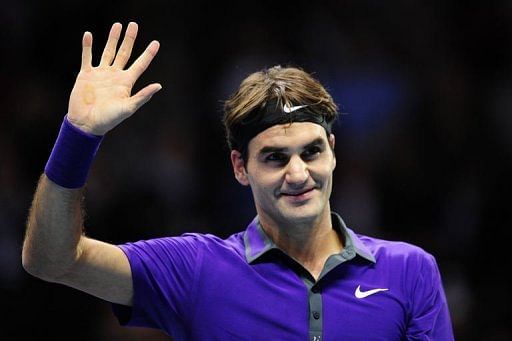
[324, 167]
[331, 162]
[262, 183]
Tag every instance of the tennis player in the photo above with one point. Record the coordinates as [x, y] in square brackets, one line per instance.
[296, 272]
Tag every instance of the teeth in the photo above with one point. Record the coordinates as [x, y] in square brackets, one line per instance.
[296, 194]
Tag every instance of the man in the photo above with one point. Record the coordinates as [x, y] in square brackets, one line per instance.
[297, 272]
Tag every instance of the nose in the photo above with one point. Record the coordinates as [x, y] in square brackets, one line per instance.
[296, 172]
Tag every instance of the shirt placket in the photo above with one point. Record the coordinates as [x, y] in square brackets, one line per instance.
[315, 314]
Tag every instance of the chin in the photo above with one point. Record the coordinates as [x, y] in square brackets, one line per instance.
[302, 214]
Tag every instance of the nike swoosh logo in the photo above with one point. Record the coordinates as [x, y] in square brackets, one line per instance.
[288, 109]
[363, 294]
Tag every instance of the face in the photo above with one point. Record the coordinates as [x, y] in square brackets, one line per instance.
[289, 169]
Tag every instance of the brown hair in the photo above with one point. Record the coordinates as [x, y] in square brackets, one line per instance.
[287, 85]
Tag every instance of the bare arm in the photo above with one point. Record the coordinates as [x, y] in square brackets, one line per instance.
[55, 248]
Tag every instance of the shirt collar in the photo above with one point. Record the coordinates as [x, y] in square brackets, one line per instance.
[257, 242]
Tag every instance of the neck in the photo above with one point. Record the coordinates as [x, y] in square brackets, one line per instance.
[308, 242]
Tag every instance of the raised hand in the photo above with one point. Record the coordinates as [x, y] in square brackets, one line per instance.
[101, 97]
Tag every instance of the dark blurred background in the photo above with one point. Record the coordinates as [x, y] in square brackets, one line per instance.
[424, 149]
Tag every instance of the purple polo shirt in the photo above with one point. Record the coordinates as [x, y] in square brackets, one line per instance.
[201, 287]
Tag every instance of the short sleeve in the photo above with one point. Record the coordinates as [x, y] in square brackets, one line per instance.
[163, 275]
[430, 318]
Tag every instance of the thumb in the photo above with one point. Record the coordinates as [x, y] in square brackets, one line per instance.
[144, 95]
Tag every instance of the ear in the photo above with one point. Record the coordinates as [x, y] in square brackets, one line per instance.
[331, 144]
[238, 164]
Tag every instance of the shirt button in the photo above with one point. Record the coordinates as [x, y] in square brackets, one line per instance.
[316, 315]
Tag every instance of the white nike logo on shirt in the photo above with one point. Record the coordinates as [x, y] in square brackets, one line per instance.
[288, 109]
[363, 294]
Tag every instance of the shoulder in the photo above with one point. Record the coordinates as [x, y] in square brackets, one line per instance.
[397, 252]
[192, 242]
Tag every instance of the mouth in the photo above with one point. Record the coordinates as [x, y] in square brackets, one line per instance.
[296, 194]
[299, 196]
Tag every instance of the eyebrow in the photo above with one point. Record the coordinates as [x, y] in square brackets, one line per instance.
[269, 149]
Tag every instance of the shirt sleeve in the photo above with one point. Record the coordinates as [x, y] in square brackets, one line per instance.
[163, 273]
[430, 318]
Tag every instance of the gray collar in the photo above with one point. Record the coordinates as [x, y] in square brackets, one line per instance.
[257, 242]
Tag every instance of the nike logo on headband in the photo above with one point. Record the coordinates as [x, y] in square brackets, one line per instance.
[288, 109]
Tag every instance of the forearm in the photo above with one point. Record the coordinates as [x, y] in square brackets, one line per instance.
[54, 229]
[54, 248]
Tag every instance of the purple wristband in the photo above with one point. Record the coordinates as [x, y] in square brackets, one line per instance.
[72, 155]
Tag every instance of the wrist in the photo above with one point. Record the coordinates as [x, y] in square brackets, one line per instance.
[81, 125]
[72, 156]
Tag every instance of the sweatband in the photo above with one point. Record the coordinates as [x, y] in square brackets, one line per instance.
[72, 156]
[272, 113]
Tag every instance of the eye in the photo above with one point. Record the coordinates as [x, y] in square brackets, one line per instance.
[311, 152]
[277, 157]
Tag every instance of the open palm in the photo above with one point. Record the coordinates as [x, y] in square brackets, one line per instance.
[101, 97]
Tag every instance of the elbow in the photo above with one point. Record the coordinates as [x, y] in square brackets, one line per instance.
[32, 267]
[38, 267]
[26, 260]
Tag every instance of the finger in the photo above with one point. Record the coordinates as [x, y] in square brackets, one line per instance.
[143, 96]
[87, 51]
[110, 48]
[125, 50]
[142, 63]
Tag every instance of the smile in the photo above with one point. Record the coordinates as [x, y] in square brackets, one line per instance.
[298, 193]
[304, 194]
